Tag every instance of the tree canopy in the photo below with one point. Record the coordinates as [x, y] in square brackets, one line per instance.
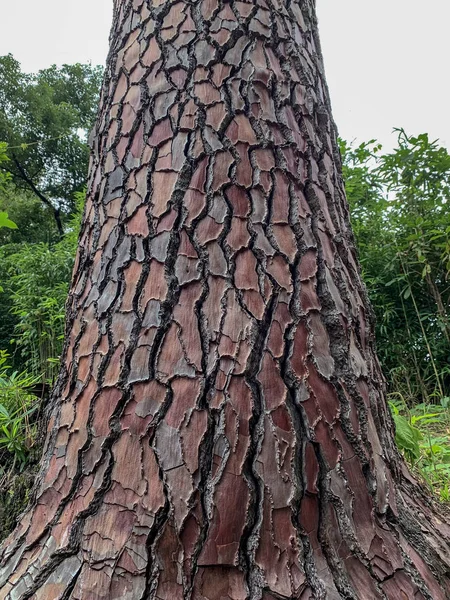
[44, 119]
[400, 207]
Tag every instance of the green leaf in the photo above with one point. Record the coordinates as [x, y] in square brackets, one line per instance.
[445, 401]
[5, 222]
[407, 436]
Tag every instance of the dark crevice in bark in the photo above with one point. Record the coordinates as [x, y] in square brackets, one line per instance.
[71, 585]
[250, 534]
[172, 252]
[299, 422]
[205, 462]
[340, 352]
[151, 574]
[73, 544]
[336, 566]
[162, 516]
[411, 529]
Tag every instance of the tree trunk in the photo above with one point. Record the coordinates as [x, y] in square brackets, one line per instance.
[218, 429]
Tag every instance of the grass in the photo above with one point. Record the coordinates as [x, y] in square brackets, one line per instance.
[423, 436]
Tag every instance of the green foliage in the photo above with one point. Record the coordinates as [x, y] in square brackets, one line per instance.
[17, 404]
[406, 435]
[399, 204]
[36, 278]
[18, 442]
[423, 435]
[6, 222]
[44, 118]
[14, 496]
[35, 221]
[3, 152]
[13, 432]
[400, 214]
[37, 286]
[74, 223]
[5, 177]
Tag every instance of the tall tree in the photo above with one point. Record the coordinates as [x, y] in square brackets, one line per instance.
[45, 118]
[218, 430]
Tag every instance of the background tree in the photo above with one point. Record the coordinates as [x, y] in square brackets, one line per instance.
[45, 118]
[5, 222]
[399, 205]
[218, 426]
[35, 278]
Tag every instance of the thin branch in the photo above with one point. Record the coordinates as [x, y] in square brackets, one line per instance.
[40, 195]
[26, 144]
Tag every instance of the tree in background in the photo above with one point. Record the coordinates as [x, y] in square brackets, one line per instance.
[5, 222]
[400, 212]
[218, 427]
[45, 118]
[35, 277]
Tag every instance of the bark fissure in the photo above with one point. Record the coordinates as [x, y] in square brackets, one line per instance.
[250, 535]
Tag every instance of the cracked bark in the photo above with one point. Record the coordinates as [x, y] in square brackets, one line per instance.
[218, 430]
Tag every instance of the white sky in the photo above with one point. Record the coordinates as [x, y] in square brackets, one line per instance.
[386, 60]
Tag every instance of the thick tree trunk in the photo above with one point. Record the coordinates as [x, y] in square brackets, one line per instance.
[219, 430]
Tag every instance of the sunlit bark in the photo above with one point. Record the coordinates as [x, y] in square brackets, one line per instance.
[219, 430]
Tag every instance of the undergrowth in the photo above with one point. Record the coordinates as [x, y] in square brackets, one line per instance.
[423, 437]
[19, 447]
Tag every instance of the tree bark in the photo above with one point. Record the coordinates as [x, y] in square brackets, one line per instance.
[218, 429]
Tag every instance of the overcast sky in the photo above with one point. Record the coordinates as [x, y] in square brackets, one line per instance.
[387, 61]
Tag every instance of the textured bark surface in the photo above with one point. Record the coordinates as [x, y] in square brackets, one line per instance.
[219, 430]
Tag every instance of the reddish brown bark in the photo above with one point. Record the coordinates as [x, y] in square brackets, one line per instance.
[219, 430]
